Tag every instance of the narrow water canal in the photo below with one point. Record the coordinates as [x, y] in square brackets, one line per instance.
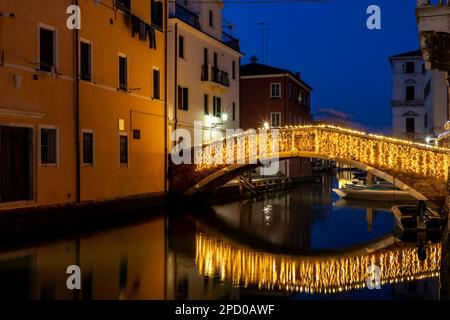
[301, 244]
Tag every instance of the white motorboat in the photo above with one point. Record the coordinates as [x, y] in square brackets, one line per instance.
[375, 193]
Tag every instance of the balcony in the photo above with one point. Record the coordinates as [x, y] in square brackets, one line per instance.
[412, 136]
[186, 15]
[215, 76]
[434, 28]
[231, 41]
[407, 103]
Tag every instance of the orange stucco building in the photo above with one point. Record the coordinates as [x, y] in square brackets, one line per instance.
[82, 112]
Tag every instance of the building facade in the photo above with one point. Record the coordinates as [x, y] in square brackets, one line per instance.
[419, 103]
[436, 102]
[408, 106]
[82, 112]
[274, 97]
[434, 32]
[203, 69]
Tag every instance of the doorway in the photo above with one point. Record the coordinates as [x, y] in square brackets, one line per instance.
[16, 164]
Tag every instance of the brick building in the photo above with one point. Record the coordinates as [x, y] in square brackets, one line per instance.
[275, 97]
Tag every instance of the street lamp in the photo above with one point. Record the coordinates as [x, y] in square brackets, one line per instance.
[224, 117]
[430, 140]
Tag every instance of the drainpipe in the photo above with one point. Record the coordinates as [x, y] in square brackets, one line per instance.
[77, 113]
[166, 153]
[448, 94]
[285, 99]
[175, 105]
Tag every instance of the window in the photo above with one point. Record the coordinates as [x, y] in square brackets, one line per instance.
[157, 13]
[124, 5]
[234, 111]
[205, 67]
[217, 107]
[137, 134]
[88, 148]
[85, 61]
[211, 19]
[181, 47]
[206, 104]
[215, 60]
[156, 84]
[233, 70]
[275, 118]
[275, 90]
[123, 148]
[48, 146]
[425, 120]
[47, 50]
[410, 93]
[410, 67]
[410, 125]
[423, 69]
[183, 98]
[123, 70]
[427, 89]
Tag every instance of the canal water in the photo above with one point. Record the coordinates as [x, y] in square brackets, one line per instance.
[301, 244]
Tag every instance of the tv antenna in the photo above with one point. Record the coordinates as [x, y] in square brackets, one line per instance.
[265, 41]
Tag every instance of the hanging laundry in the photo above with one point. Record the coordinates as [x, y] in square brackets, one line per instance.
[151, 36]
[144, 30]
[135, 25]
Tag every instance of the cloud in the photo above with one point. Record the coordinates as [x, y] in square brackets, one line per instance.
[334, 113]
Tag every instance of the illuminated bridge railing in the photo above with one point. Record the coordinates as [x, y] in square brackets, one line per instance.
[250, 268]
[377, 151]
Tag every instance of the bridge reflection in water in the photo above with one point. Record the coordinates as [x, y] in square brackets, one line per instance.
[246, 267]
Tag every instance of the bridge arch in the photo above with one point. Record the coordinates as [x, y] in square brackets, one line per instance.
[419, 169]
[230, 172]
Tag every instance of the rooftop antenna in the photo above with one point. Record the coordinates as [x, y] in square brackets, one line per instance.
[265, 41]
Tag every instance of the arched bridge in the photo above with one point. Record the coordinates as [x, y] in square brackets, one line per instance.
[420, 169]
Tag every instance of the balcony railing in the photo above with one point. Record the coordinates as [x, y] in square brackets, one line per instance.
[220, 77]
[412, 136]
[231, 41]
[421, 3]
[214, 74]
[409, 103]
[187, 16]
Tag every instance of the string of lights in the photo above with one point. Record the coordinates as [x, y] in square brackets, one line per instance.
[247, 267]
[335, 142]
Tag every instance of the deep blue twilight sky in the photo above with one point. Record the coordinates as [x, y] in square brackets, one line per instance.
[328, 42]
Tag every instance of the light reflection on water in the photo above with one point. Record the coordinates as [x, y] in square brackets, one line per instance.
[303, 244]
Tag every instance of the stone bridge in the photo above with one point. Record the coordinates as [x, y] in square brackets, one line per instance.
[419, 169]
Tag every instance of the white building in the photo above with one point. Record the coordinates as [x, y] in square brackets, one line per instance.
[435, 102]
[419, 103]
[203, 69]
